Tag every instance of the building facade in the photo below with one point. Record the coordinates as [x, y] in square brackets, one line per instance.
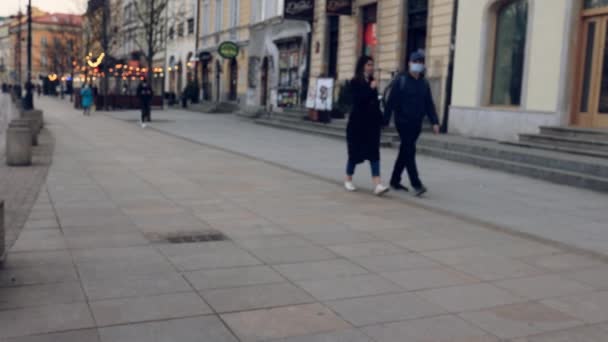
[224, 79]
[56, 38]
[387, 30]
[523, 64]
[278, 57]
[180, 56]
[6, 51]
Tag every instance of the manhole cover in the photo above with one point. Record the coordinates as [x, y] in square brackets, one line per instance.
[188, 237]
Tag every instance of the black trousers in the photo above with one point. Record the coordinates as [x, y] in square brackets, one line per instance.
[145, 112]
[407, 155]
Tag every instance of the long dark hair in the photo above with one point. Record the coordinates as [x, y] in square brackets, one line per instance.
[360, 69]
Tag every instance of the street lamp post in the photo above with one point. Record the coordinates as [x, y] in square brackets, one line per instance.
[28, 102]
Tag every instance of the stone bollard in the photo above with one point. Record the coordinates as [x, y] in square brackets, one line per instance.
[33, 131]
[35, 114]
[2, 234]
[19, 143]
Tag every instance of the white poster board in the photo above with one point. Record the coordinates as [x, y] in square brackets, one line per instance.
[324, 94]
[310, 96]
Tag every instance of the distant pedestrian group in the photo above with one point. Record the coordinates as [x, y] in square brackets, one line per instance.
[409, 101]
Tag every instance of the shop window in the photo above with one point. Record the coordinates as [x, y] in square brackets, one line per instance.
[417, 13]
[289, 77]
[370, 39]
[509, 53]
[590, 4]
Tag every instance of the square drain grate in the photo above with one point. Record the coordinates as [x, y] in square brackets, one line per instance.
[189, 237]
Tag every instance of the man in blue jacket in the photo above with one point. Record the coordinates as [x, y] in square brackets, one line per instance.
[411, 100]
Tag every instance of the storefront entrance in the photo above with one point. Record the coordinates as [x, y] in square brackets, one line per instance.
[234, 77]
[264, 83]
[591, 107]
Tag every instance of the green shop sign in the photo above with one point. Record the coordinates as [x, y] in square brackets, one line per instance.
[228, 50]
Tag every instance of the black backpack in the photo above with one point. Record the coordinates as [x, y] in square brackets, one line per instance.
[387, 91]
[345, 98]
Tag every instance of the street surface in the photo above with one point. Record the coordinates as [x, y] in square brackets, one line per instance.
[567, 215]
[304, 261]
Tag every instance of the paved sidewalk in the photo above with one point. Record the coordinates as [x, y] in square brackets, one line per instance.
[305, 261]
[571, 216]
[19, 186]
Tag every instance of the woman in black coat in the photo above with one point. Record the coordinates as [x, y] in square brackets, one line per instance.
[364, 125]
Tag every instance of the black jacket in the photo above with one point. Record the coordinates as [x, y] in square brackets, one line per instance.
[145, 93]
[364, 123]
[411, 100]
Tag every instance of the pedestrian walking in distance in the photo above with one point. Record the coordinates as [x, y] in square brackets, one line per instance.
[411, 100]
[86, 99]
[364, 125]
[145, 93]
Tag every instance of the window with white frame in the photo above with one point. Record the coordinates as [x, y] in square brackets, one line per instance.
[218, 15]
[270, 9]
[234, 13]
[190, 26]
[206, 17]
[509, 53]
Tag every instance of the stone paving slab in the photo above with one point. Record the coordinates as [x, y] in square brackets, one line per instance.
[499, 198]
[304, 261]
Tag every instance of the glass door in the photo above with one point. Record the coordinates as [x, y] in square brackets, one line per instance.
[592, 107]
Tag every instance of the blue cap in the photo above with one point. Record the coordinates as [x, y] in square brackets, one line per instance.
[417, 56]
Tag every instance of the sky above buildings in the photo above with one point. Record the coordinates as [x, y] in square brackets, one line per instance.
[8, 7]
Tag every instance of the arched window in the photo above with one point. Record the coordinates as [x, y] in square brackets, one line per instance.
[509, 52]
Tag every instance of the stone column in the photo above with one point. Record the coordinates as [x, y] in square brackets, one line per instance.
[19, 143]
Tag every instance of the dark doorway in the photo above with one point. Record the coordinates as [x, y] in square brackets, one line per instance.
[417, 17]
[264, 82]
[334, 38]
[206, 82]
[234, 78]
[218, 72]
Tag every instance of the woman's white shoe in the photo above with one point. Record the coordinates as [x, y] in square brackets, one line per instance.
[380, 190]
[349, 186]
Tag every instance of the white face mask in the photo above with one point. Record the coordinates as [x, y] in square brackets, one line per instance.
[416, 67]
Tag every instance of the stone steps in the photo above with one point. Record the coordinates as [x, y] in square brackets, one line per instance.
[576, 132]
[584, 165]
[553, 175]
[315, 128]
[585, 171]
[574, 140]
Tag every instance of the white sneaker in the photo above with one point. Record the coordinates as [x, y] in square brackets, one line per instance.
[143, 125]
[349, 186]
[380, 190]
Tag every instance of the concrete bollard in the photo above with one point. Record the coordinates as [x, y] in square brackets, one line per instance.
[19, 143]
[33, 131]
[34, 114]
[2, 234]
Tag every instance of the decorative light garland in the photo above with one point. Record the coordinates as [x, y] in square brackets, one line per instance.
[97, 62]
[52, 77]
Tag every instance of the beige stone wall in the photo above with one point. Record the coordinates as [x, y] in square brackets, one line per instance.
[390, 37]
[389, 49]
[438, 47]
[348, 46]
[318, 60]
